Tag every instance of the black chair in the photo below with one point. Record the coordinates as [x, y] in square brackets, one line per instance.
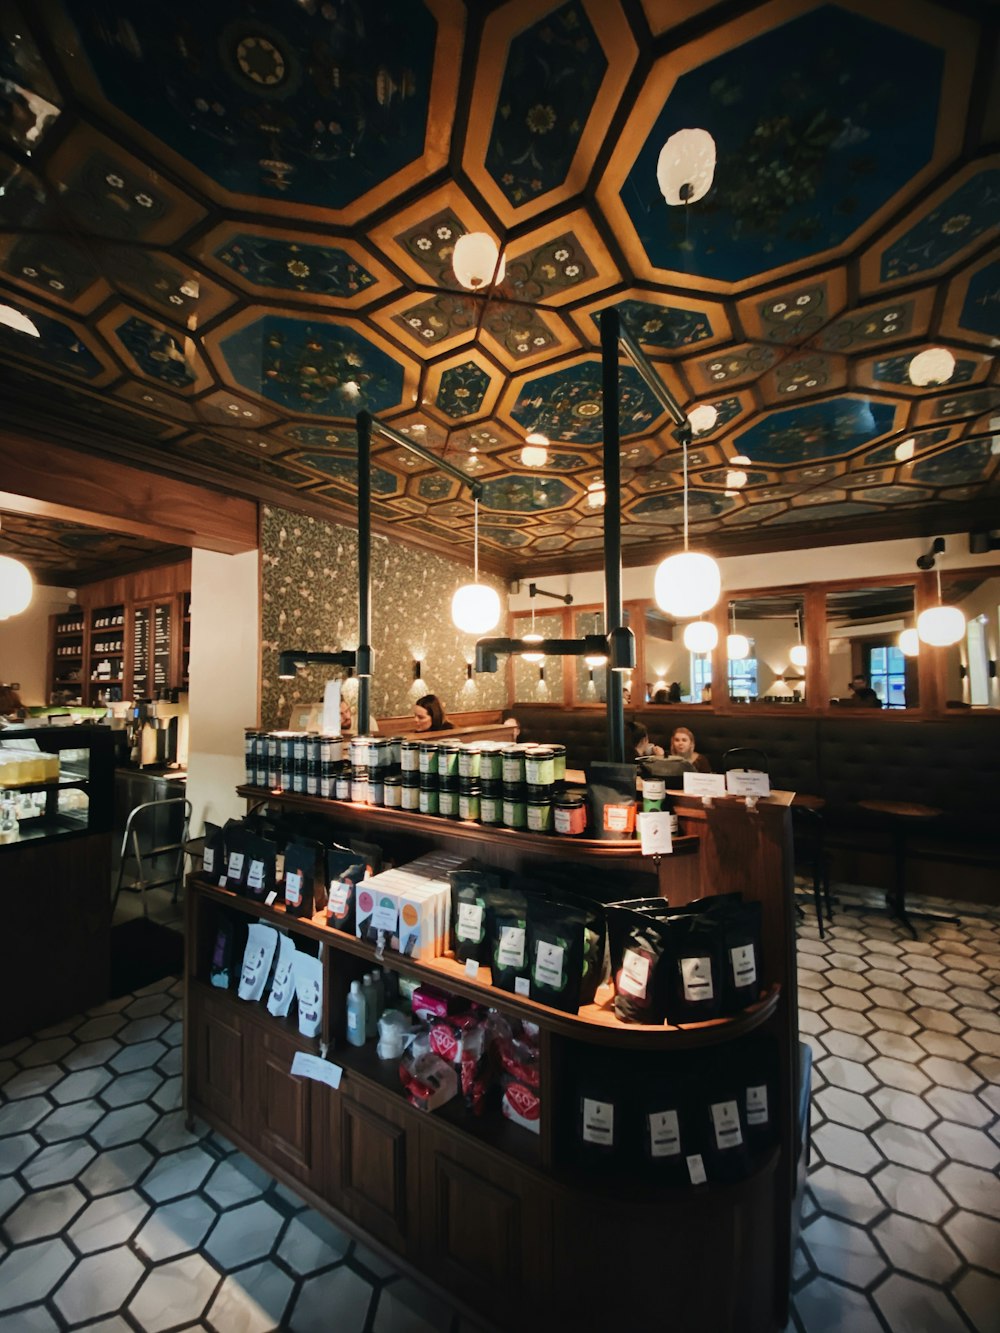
[746, 756]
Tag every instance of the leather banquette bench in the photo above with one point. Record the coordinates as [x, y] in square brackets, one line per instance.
[951, 764]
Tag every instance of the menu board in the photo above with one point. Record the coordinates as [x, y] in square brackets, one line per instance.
[151, 650]
[140, 653]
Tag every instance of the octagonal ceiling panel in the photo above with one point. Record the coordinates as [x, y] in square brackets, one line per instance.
[323, 366]
[61, 348]
[305, 266]
[972, 311]
[659, 323]
[819, 430]
[282, 108]
[797, 313]
[549, 80]
[805, 159]
[565, 405]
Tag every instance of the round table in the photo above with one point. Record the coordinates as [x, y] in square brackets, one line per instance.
[901, 817]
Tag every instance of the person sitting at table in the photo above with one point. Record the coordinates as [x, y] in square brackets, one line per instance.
[682, 744]
[862, 694]
[347, 720]
[644, 747]
[428, 714]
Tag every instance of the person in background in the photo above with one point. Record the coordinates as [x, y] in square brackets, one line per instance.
[682, 744]
[862, 694]
[674, 693]
[428, 714]
[706, 692]
[509, 720]
[10, 703]
[347, 720]
[644, 747]
[660, 693]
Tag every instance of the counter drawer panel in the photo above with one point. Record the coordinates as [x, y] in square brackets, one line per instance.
[217, 1068]
[377, 1159]
[284, 1129]
[477, 1226]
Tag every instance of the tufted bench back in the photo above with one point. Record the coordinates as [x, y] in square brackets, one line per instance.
[950, 763]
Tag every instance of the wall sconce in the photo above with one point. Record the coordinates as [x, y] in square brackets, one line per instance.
[992, 667]
[468, 671]
[418, 669]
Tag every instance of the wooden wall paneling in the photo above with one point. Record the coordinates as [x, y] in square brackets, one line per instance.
[814, 635]
[218, 1059]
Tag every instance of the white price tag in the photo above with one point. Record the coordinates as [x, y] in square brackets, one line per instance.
[696, 1169]
[744, 965]
[654, 832]
[598, 1122]
[704, 784]
[747, 782]
[634, 974]
[208, 860]
[235, 868]
[472, 968]
[522, 986]
[385, 919]
[757, 1105]
[255, 875]
[726, 1120]
[664, 1134]
[339, 894]
[470, 921]
[696, 973]
[510, 950]
[311, 1066]
[549, 964]
[271, 898]
[293, 887]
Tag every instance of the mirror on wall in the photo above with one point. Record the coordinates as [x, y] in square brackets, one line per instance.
[766, 649]
[539, 682]
[673, 674]
[970, 679]
[871, 661]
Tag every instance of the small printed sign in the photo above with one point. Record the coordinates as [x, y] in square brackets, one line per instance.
[654, 833]
[472, 968]
[322, 1071]
[747, 782]
[704, 784]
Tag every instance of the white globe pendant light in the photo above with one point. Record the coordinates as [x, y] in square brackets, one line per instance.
[909, 643]
[798, 655]
[474, 261]
[737, 647]
[536, 449]
[700, 636]
[685, 168]
[687, 584]
[904, 450]
[533, 657]
[941, 626]
[934, 365]
[702, 418]
[475, 608]
[16, 587]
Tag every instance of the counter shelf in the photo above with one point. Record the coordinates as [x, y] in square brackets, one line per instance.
[595, 1023]
[508, 1223]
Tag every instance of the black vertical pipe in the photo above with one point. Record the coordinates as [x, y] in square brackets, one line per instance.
[610, 326]
[364, 569]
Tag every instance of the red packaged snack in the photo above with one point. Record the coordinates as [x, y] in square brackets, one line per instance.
[523, 1105]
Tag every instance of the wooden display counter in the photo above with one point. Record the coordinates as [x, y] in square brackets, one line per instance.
[512, 1225]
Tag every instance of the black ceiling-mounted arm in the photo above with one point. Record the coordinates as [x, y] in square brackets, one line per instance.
[565, 597]
[927, 561]
[404, 442]
[291, 659]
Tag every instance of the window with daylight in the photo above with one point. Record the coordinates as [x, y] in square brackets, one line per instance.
[887, 674]
[701, 675]
[743, 676]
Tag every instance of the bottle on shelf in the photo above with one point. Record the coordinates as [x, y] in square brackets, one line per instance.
[357, 1016]
[371, 1001]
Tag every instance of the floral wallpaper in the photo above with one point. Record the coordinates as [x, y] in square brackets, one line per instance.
[309, 600]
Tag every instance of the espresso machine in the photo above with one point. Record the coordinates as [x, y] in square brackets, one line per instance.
[159, 731]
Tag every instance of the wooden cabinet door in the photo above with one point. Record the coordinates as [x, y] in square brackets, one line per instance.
[281, 1120]
[217, 1046]
[375, 1169]
[486, 1226]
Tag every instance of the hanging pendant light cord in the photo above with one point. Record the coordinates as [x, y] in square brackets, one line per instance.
[685, 495]
[938, 573]
[475, 540]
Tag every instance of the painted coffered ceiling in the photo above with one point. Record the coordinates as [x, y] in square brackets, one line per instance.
[232, 225]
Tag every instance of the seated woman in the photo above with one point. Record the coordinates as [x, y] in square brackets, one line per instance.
[682, 745]
[428, 714]
[644, 747]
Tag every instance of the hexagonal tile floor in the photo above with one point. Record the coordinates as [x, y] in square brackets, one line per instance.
[113, 1215]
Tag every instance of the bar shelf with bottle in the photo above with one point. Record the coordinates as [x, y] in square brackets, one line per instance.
[505, 1220]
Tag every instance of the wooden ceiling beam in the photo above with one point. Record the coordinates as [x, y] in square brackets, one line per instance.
[49, 481]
